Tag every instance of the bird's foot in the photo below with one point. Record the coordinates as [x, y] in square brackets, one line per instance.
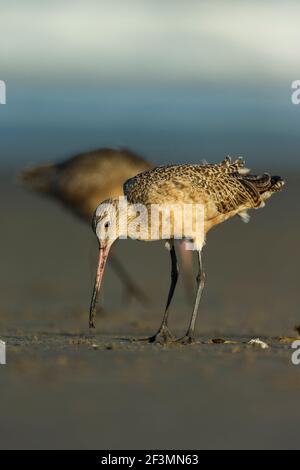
[187, 339]
[163, 336]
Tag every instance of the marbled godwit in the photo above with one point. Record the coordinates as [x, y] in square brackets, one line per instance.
[223, 190]
[84, 180]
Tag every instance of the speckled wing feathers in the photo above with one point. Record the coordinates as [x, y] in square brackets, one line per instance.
[223, 184]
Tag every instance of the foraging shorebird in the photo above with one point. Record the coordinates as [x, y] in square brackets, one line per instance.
[222, 191]
[84, 180]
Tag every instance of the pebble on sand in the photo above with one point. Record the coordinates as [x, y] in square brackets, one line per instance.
[259, 343]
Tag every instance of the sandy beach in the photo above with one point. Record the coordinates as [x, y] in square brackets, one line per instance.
[66, 387]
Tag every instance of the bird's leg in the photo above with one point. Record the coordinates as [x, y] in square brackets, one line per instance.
[131, 287]
[186, 257]
[188, 338]
[163, 335]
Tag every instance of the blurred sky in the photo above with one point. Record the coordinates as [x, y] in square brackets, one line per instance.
[176, 80]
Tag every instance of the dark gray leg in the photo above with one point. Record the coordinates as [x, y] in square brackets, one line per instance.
[164, 334]
[188, 338]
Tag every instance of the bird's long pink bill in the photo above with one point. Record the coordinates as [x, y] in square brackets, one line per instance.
[103, 254]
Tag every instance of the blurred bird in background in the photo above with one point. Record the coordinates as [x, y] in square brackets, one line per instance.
[81, 182]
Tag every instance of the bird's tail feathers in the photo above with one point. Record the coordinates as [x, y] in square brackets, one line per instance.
[265, 182]
[38, 178]
[277, 184]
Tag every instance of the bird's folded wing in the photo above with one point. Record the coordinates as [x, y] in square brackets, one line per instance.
[228, 191]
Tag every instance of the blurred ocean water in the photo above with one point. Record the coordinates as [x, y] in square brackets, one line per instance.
[180, 122]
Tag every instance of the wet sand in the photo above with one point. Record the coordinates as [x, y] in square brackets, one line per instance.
[64, 387]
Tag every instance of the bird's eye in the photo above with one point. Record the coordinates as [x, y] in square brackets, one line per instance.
[106, 225]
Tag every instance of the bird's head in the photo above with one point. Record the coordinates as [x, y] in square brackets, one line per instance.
[107, 229]
[106, 222]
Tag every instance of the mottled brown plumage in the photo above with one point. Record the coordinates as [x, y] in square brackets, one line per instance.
[225, 189]
[222, 191]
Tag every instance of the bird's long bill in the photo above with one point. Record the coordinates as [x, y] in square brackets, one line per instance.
[103, 254]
